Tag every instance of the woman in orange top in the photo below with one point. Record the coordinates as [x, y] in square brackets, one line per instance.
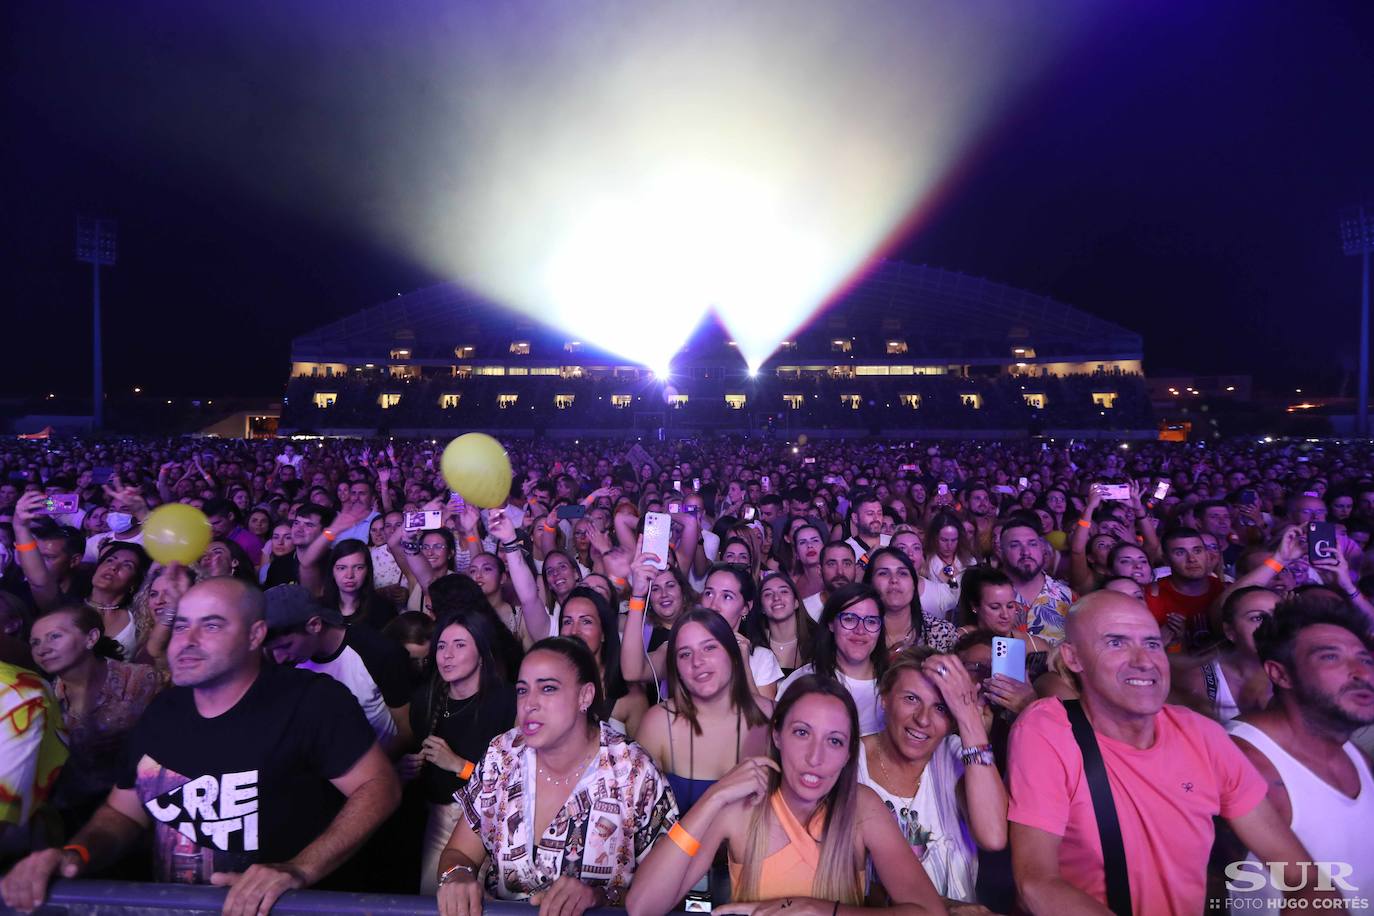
[797, 824]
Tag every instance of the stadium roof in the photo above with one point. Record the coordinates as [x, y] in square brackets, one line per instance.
[937, 313]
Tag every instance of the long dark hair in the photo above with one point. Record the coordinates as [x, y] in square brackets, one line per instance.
[918, 616]
[835, 878]
[824, 660]
[142, 564]
[740, 696]
[609, 618]
[347, 548]
[972, 584]
[544, 573]
[583, 662]
[755, 625]
[86, 619]
[451, 593]
[490, 672]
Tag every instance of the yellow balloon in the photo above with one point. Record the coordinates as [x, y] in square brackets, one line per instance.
[176, 533]
[477, 468]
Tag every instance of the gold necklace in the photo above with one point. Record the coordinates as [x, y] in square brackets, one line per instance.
[562, 781]
[883, 752]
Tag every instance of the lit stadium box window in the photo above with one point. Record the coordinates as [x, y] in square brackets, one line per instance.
[325, 398]
[735, 401]
[1035, 400]
[449, 401]
[520, 348]
[912, 401]
[464, 351]
[489, 370]
[851, 401]
[1023, 352]
[504, 401]
[517, 370]
[563, 401]
[620, 400]
[841, 345]
[572, 346]
[676, 400]
[400, 354]
[896, 347]
[388, 400]
[794, 401]
[1104, 399]
[972, 400]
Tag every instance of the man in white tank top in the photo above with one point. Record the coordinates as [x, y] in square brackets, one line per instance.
[1320, 658]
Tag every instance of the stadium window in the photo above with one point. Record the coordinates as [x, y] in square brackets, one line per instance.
[460, 371]
[910, 400]
[542, 370]
[972, 400]
[620, 400]
[872, 370]
[1105, 399]
[928, 370]
[677, 400]
[901, 370]
[851, 401]
[506, 400]
[734, 401]
[573, 346]
[325, 398]
[841, 372]
[517, 371]
[520, 348]
[464, 351]
[789, 371]
[1023, 352]
[788, 346]
[1034, 400]
[400, 354]
[449, 401]
[794, 401]
[388, 400]
[404, 371]
[896, 347]
[563, 401]
[489, 370]
[841, 345]
[570, 371]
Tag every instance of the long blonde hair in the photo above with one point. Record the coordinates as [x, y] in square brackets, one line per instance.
[837, 877]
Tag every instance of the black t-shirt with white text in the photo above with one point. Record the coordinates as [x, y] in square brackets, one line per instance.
[250, 785]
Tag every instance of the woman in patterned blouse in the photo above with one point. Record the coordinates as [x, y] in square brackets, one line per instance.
[101, 700]
[562, 808]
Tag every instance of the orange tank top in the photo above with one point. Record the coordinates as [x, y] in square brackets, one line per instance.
[791, 871]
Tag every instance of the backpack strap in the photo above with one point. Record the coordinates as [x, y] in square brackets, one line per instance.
[1104, 809]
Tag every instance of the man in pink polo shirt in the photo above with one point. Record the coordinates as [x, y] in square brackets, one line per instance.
[1170, 770]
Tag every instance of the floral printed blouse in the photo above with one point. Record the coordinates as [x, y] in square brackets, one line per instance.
[618, 808]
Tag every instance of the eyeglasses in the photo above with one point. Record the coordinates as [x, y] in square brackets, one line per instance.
[433, 548]
[851, 621]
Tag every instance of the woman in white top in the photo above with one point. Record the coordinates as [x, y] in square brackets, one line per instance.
[938, 599]
[850, 647]
[950, 554]
[933, 768]
[1232, 681]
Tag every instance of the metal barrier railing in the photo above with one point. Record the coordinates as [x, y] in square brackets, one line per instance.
[124, 898]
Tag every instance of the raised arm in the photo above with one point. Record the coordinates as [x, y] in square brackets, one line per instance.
[42, 584]
[635, 667]
[537, 621]
[1080, 575]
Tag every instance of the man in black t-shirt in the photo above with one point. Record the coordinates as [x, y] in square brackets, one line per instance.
[261, 779]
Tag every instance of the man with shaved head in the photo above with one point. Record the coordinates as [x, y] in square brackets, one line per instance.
[262, 779]
[1170, 771]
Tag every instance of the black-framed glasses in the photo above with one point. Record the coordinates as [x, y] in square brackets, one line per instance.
[850, 621]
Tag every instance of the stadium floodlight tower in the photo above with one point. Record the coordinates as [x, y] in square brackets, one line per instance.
[1357, 237]
[96, 246]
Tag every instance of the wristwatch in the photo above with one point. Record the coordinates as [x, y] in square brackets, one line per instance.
[448, 874]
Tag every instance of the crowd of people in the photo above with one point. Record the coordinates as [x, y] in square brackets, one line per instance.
[1028, 676]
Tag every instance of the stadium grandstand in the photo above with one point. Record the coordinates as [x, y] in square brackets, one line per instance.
[906, 348]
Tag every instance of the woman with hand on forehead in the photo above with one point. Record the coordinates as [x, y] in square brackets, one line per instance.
[796, 825]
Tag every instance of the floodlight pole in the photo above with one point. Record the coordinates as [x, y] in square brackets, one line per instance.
[96, 246]
[1362, 421]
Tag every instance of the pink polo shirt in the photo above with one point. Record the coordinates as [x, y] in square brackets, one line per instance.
[1166, 797]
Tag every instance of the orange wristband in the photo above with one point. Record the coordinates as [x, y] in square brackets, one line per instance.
[329, 535]
[1084, 523]
[617, 582]
[25, 548]
[80, 850]
[550, 528]
[684, 840]
[467, 770]
[636, 604]
[1273, 564]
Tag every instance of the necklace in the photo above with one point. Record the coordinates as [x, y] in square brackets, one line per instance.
[100, 607]
[575, 772]
[463, 704]
[882, 764]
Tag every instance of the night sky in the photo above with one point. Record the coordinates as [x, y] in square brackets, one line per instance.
[1180, 170]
